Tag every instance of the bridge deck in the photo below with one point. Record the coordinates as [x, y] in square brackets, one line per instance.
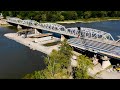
[110, 48]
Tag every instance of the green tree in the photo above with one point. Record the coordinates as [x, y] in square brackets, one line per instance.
[87, 14]
[81, 71]
[70, 15]
[80, 14]
[61, 18]
[5, 13]
[58, 63]
[66, 52]
[53, 70]
[43, 17]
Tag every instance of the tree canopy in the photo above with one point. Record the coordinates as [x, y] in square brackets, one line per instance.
[60, 15]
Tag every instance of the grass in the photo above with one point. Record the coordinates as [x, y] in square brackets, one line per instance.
[52, 43]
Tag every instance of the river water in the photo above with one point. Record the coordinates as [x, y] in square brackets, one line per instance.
[16, 60]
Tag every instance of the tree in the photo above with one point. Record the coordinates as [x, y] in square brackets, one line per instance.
[80, 14]
[70, 15]
[81, 71]
[5, 13]
[43, 17]
[66, 52]
[103, 13]
[61, 18]
[58, 63]
[87, 14]
[35, 75]
[54, 69]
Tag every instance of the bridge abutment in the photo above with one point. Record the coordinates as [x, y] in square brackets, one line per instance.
[19, 27]
[95, 60]
[63, 37]
[105, 62]
[37, 32]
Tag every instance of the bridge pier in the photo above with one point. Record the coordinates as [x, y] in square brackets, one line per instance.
[19, 27]
[36, 31]
[105, 62]
[63, 37]
[95, 60]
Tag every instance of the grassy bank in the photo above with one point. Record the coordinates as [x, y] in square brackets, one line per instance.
[5, 25]
[89, 20]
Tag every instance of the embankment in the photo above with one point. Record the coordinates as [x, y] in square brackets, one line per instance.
[28, 42]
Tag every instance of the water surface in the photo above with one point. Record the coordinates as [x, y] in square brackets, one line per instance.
[16, 60]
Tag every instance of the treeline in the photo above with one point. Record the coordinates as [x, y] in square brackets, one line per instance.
[60, 15]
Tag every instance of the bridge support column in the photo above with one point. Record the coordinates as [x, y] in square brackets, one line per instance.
[105, 62]
[36, 31]
[19, 27]
[95, 60]
[62, 38]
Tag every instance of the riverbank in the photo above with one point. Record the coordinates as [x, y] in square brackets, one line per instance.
[30, 43]
[89, 20]
[3, 23]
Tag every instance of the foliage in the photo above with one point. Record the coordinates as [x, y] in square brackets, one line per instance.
[66, 52]
[58, 64]
[35, 75]
[60, 15]
[81, 71]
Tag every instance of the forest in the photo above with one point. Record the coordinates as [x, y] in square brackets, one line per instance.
[53, 16]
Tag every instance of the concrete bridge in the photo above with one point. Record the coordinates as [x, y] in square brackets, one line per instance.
[87, 39]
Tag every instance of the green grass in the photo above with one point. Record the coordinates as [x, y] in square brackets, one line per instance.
[52, 43]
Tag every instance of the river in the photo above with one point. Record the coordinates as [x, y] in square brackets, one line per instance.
[17, 60]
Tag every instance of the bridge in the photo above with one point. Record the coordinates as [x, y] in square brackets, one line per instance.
[89, 39]
[57, 28]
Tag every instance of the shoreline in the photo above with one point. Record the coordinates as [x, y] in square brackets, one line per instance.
[32, 45]
[87, 20]
[3, 23]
